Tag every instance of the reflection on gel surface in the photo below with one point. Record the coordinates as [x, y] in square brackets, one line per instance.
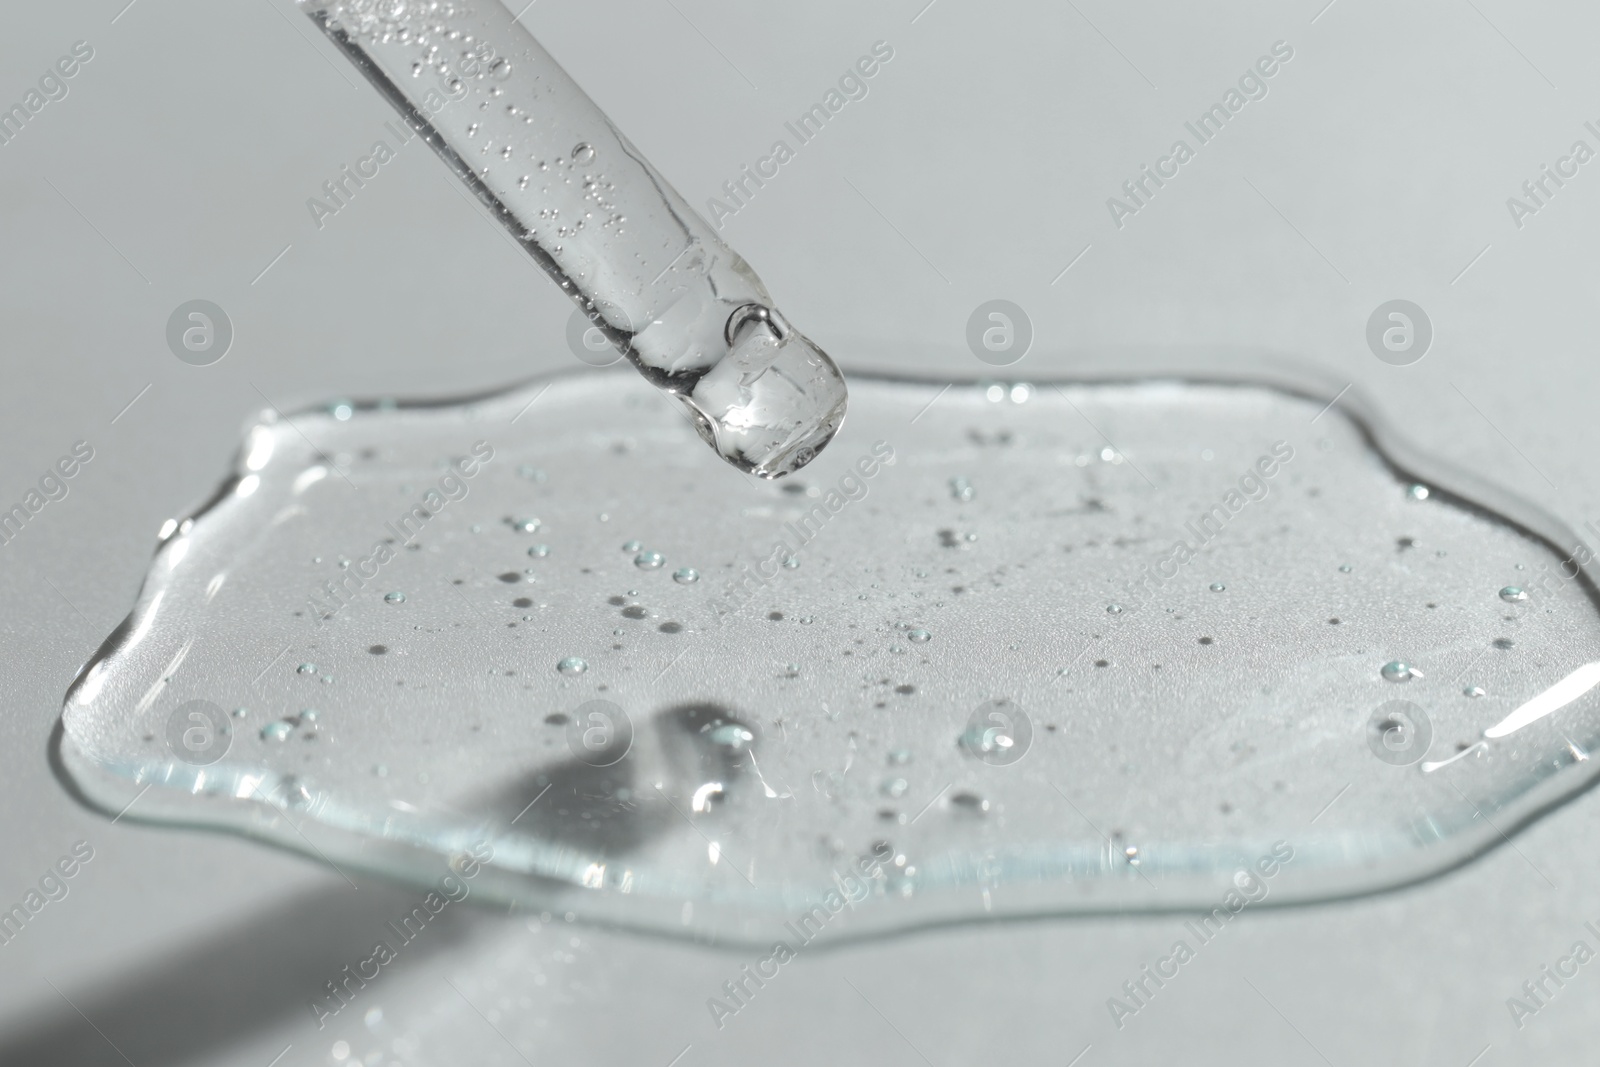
[1022, 649]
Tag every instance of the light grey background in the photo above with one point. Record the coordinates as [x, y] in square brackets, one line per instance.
[178, 167]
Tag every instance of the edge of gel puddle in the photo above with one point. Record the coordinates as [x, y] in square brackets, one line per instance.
[959, 670]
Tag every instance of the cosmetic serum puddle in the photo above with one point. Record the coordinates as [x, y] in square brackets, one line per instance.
[975, 654]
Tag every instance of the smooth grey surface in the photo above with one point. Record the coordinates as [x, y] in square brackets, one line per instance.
[1377, 168]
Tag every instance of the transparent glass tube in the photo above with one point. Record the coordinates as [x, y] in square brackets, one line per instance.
[646, 269]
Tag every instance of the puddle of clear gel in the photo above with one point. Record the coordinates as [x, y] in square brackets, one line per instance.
[959, 653]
